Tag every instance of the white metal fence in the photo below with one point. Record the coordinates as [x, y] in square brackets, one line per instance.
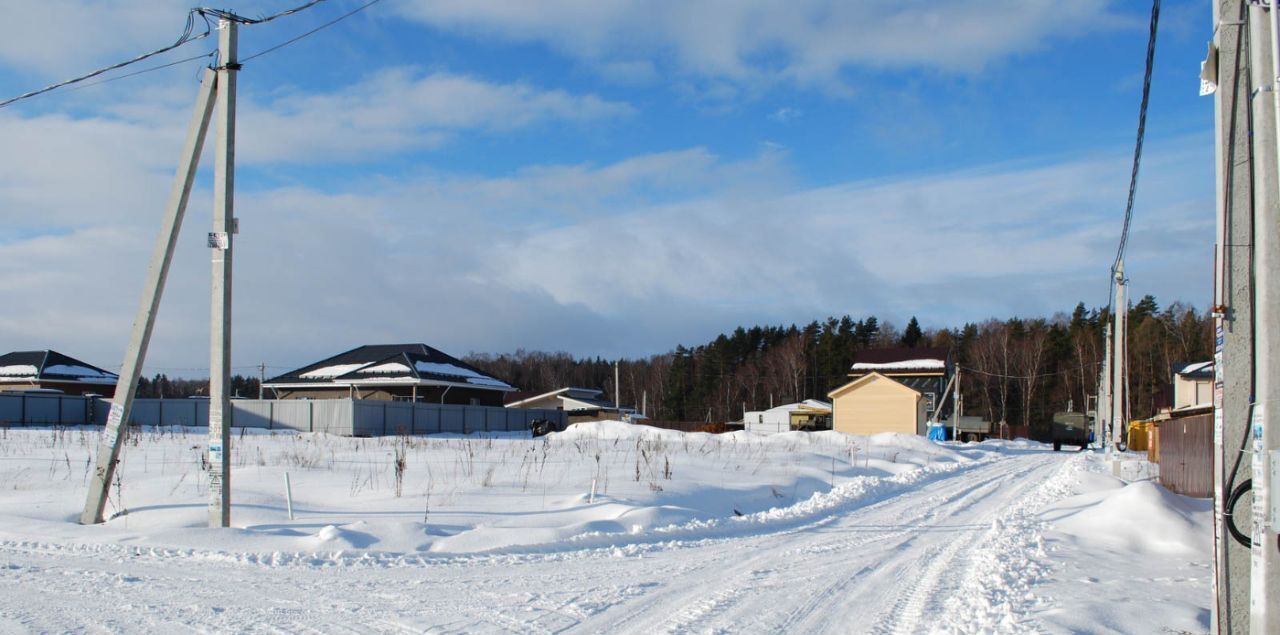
[344, 417]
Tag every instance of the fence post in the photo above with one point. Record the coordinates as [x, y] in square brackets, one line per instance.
[384, 418]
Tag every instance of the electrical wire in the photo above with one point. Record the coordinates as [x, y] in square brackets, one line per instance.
[186, 37]
[144, 71]
[312, 31]
[227, 15]
[1137, 149]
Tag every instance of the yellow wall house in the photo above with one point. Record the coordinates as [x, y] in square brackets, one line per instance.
[874, 403]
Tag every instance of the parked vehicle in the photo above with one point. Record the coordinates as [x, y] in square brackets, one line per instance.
[972, 429]
[1071, 428]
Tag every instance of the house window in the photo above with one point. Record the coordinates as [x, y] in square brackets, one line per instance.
[930, 402]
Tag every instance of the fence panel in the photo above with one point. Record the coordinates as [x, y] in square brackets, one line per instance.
[400, 417]
[101, 408]
[291, 414]
[367, 418]
[73, 410]
[426, 419]
[334, 416]
[11, 409]
[1186, 455]
[452, 419]
[251, 414]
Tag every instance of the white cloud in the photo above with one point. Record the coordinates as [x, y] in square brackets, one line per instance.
[400, 109]
[59, 37]
[654, 250]
[752, 41]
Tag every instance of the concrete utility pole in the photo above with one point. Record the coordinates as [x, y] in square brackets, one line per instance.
[1119, 363]
[1233, 306]
[1102, 417]
[1264, 603]
[144, 321]
[221, 240]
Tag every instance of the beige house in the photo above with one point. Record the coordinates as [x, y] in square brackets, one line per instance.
[874, 403]
[1193, 386]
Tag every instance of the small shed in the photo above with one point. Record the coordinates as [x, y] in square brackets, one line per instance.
[581, 404]
[874, 403]
[810, 414]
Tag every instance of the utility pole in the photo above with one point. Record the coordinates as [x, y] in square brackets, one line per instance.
[1119, 358]
[221, 240]
[1264, 603]
[1233, 305]
[262, 379]
[1102, 416]
[113, 435]
[955, 407]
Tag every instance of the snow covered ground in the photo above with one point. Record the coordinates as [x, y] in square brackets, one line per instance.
[685, 533]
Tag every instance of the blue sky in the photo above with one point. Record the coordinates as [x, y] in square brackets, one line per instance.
[603, 177]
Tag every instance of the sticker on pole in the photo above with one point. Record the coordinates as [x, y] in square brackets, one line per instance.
[219, 240]
[115, 416]
[215, 452]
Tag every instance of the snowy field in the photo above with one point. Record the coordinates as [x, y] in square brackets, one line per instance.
[685, 533]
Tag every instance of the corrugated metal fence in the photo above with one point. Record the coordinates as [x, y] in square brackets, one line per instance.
[1184, 450]
[334, 416]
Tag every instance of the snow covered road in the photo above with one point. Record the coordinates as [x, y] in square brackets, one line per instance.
[896, 564]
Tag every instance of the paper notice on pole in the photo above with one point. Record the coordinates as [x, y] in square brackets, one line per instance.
[1207, 87]
[219, 240]
[215, 452]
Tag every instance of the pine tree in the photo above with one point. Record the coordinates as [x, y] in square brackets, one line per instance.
[912, 335]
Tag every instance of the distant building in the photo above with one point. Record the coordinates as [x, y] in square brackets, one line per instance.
[925, 370]
[874, 403]
[1192, 387]
[581, 404]
[392, 372]
[51, 370]
[809, 414]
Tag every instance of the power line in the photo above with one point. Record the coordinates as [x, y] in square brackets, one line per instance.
[313, 31]
[227, 15]
[188, 36]
[146, 70]
[1142, 125]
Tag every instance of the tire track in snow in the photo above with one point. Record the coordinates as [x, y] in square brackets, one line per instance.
[811, 562]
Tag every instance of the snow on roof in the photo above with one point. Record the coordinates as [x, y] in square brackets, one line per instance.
[399, 364]
[471, 376]
[329, 372]
[1196, 368]
[812, 404]
[392, 367]
[18, 370]
[908, 364]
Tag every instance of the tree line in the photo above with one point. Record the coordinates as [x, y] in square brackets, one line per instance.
[1017, 370]
[161, 386]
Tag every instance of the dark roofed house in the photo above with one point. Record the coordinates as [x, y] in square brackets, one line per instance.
[43, 370]
[925, 370]
[410, 372]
